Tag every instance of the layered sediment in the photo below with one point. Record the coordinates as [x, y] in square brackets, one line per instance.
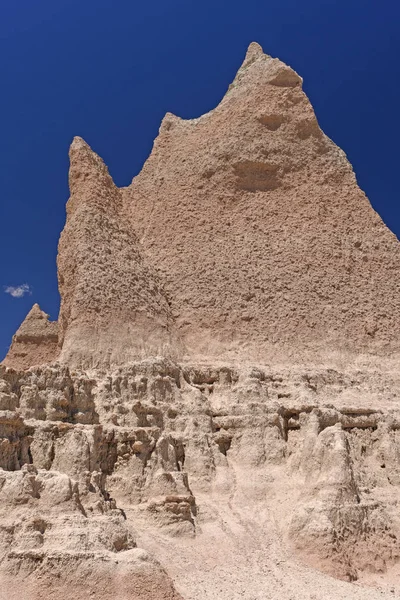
[216, 412]
[35, 342]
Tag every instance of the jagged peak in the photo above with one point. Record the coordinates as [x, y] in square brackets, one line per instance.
[36, 318]
[254, 51]
[36, 313]
[261, 67]
[80, 150]
[278, 73]
[35, 341]
[169, 120]
[87, 168]
[79, 142]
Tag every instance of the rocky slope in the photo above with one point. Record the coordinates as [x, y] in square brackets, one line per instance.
[216, 413]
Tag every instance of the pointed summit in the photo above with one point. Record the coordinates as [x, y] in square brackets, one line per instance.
[87, 172]
[260, 69]
[35, 342]
[89, 179]
[111, 303]
[35, 325]
[254, 51]
[80, 150]
[79, 142]
[35, 313]
[254, 221]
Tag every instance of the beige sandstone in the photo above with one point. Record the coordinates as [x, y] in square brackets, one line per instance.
[35, 342]
[216, 413]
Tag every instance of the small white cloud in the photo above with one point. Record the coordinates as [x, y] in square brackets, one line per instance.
[18, 291]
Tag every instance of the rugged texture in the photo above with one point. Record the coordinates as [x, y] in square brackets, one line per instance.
[266, 245]
[112, 303]
[222, 473]
[57, 532]
[225, 389]
[35, 342]
[244, 235]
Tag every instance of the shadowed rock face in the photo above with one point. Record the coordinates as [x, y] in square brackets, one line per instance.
[244, 241]
[112, 303]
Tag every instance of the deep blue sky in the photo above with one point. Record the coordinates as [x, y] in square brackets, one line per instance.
[108, 70]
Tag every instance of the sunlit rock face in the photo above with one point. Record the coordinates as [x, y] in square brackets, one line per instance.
[35, 342]
[245, 236]
[254, 221]
[216, 412]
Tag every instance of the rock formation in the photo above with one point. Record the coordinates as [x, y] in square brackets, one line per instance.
[35, 342]
[216, 413]
[112, 303]
[272, 248]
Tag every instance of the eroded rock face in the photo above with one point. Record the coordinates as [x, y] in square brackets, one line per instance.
[244, 236]
[222, 384]
[112, 304]
[69, 538]
[35, 342]
[187, 457]
[264, 242]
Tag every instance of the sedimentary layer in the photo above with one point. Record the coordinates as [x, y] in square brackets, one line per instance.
[35, 342]
[272, 464]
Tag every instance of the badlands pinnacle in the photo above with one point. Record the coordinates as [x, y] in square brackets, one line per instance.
[215, 414]
[244, 236]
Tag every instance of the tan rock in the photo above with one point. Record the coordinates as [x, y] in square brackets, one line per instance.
[113, 306]
[35, 342]
[245, 232]
[215, 471]
[266, 246]
[227, 391]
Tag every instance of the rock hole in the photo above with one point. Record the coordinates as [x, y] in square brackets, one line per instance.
[255, 176]
[172, 414]
[286, 78]
[224, 444]
[272, 122]
[39, 525]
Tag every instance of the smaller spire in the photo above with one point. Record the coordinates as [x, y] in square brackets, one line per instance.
[78, 143]
[87, 169]
[36, 313]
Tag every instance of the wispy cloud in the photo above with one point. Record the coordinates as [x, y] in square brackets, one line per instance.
[18, 291]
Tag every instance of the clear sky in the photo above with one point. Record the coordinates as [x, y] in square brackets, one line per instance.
[108, 70]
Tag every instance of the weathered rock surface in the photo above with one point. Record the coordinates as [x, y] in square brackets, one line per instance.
[222, 386]
[35, 342]
[215, 462]
[112, 304]
[244, 235]
[254, 220]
